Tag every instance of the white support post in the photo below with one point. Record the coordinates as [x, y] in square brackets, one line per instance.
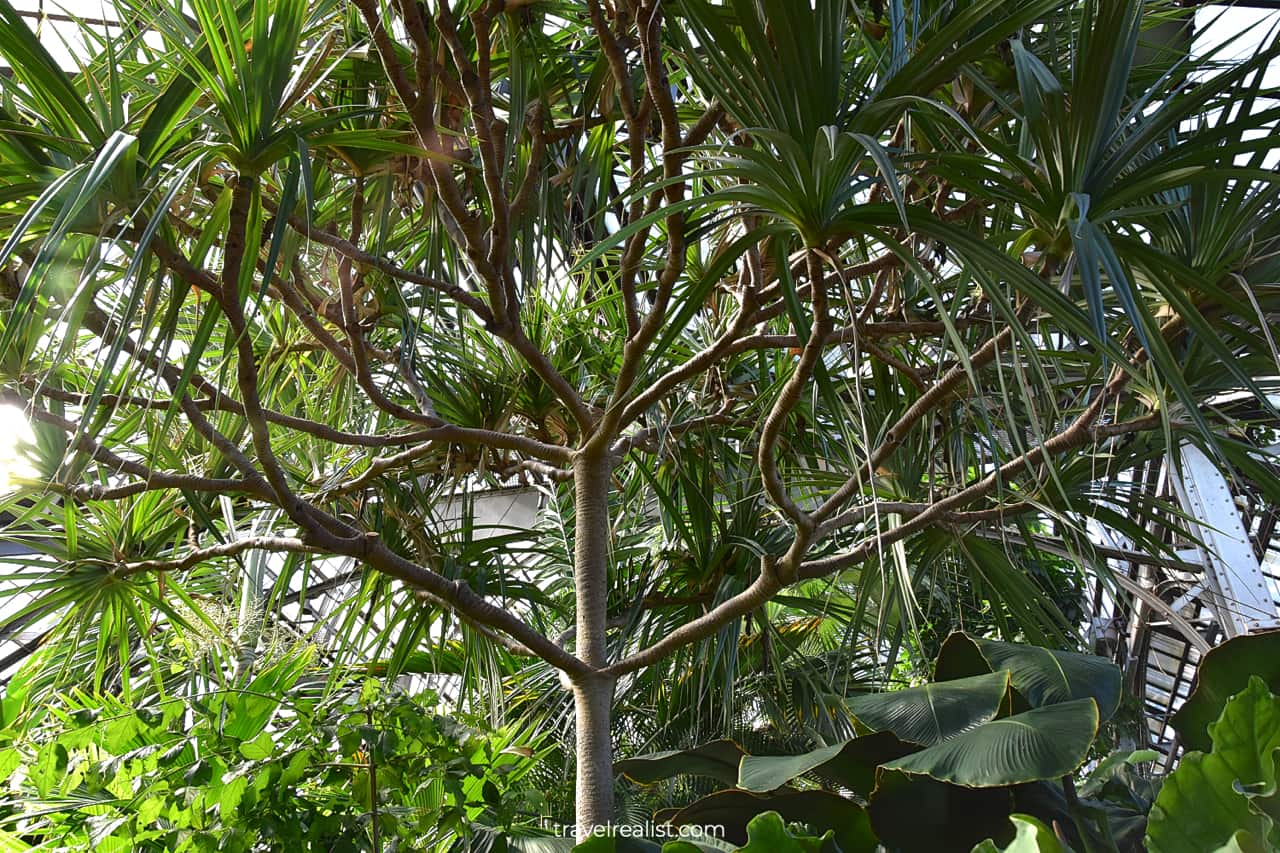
[1237, 588]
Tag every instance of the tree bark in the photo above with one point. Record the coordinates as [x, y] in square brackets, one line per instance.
[593, 694]
[593, 792]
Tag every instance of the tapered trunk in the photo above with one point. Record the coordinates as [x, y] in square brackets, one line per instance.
[593, 697]
[593, 790]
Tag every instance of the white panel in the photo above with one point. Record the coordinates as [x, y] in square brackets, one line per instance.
[1241, 595]
[499, 510]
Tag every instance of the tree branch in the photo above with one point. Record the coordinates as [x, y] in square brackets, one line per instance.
[225, 549]
[151, 480]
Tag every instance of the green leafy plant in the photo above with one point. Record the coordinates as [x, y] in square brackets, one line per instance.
[799, 323]
[1031, 836]
[938, 766]
[1225, 799]
[766, 833]
[1224, 671]
[277, 764]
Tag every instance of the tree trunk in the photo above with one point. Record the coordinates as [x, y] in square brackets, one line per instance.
[593, 794]
[593, 697]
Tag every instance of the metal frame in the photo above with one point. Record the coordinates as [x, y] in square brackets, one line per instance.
[1234, 585]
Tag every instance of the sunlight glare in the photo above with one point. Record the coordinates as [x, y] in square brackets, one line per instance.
[16, 439]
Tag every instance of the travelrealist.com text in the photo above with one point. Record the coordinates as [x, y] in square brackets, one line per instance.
[647, 829]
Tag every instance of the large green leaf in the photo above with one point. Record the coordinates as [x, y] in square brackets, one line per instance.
[1041, 676]
[916, 814]
[931, 713]
[718, 759]
[818, 810]
[767, 833]
[1043, 743]
[1243, 841]
[852, 764]
[1212, 795]
[1224, 672]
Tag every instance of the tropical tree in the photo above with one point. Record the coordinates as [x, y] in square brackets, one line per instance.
[811, 320]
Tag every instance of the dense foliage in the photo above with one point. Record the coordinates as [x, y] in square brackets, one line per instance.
[816, 330]
[991, 754]
[938, 767]
[281, 762]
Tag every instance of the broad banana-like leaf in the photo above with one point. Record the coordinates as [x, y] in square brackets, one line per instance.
[851, 764]
[718, 759]
[818, 810]
[1041, 676]
[1224, 672]
[1043, 743]
[1211, 796]
[916, 814]
[932, 713]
